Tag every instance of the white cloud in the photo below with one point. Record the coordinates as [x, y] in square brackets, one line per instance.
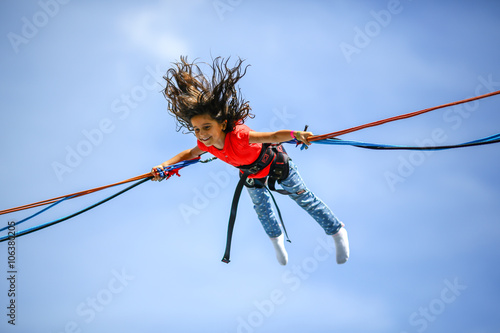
[153, 31]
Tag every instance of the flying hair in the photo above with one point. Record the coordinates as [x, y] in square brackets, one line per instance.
[190, 93]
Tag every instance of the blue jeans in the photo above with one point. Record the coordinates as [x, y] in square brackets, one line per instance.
[302, 196]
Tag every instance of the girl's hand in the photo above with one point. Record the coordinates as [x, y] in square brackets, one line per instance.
[303, 136]
[155, 173]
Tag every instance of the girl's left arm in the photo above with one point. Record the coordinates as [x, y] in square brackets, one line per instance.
[279, 136]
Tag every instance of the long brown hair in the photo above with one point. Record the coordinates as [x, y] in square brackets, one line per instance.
[190, 93]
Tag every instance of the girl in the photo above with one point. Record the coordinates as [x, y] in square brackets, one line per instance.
[214, 110]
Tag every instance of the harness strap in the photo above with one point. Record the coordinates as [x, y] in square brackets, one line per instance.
[279, 214]
[265, 158]
[271, 186]
[232, 217]
[279, 170]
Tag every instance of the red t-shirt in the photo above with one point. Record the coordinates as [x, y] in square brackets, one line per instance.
[238, 150]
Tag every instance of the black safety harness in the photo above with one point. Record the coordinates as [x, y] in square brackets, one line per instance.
[275, 155]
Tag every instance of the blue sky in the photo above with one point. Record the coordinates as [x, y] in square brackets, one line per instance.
[81, 107]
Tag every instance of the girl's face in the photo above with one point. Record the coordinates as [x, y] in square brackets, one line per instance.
[209, 131]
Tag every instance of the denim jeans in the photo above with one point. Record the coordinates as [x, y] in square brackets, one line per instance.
[302, 196]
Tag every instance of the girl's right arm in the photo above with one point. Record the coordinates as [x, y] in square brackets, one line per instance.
[187, 154]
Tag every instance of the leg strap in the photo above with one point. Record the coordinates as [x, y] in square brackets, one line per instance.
[271, 183]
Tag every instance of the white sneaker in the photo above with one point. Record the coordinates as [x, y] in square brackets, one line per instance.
[341, 245]
[279, 247]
